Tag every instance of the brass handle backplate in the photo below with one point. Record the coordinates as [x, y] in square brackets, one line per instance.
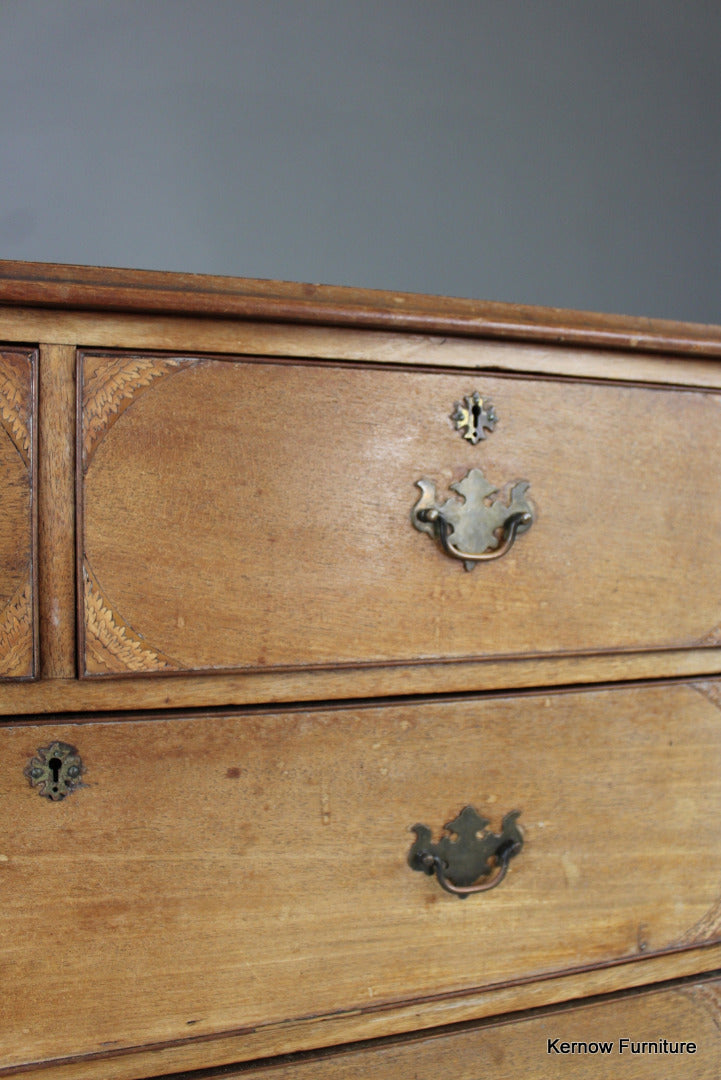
[470, 854]
[482, 528]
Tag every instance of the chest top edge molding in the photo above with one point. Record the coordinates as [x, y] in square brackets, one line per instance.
[58, 286]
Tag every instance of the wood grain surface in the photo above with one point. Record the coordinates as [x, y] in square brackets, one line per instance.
[18, 623]
[45, 697]
[274, 1041]
[121, 330]
[222, 473]
[56, 512]
[599, 1041]
[110, 289]
[219, 874]
[247, 515]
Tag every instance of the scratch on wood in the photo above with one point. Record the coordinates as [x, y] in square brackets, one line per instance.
[325, 800]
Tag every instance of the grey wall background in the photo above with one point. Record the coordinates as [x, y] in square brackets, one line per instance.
[555, 152]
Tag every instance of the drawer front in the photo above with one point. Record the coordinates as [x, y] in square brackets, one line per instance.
[215, 874]
[674, 1033]
[239, 515]
[17, 571]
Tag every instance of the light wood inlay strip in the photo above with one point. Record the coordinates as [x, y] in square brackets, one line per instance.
[56, 503]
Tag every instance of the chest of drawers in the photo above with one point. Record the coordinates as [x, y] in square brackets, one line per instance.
[291, 578]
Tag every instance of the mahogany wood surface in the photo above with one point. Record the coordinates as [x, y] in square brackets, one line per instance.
[224, 873]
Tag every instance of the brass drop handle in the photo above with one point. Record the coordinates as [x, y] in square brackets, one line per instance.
[511, 526]
[484, 525]
[434, 863]
[459, 863]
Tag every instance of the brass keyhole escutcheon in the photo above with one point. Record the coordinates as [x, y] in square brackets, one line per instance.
[55, 771]
[473, 417]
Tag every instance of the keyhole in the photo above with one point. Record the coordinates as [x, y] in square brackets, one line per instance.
[476, 413]
[55, 765]
[56, 771]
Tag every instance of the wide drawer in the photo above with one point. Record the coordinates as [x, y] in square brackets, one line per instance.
[17, 570]
[674, 1033]
[244, 515]
[218, 873]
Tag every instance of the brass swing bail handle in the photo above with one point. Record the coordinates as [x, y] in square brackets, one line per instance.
[469, 858]
[443, 528]
[431, 863]
[481, 525]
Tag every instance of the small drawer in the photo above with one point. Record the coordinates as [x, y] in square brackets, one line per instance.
[674, 1033]
[238, 515]
[206, 875]
[18, 621]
